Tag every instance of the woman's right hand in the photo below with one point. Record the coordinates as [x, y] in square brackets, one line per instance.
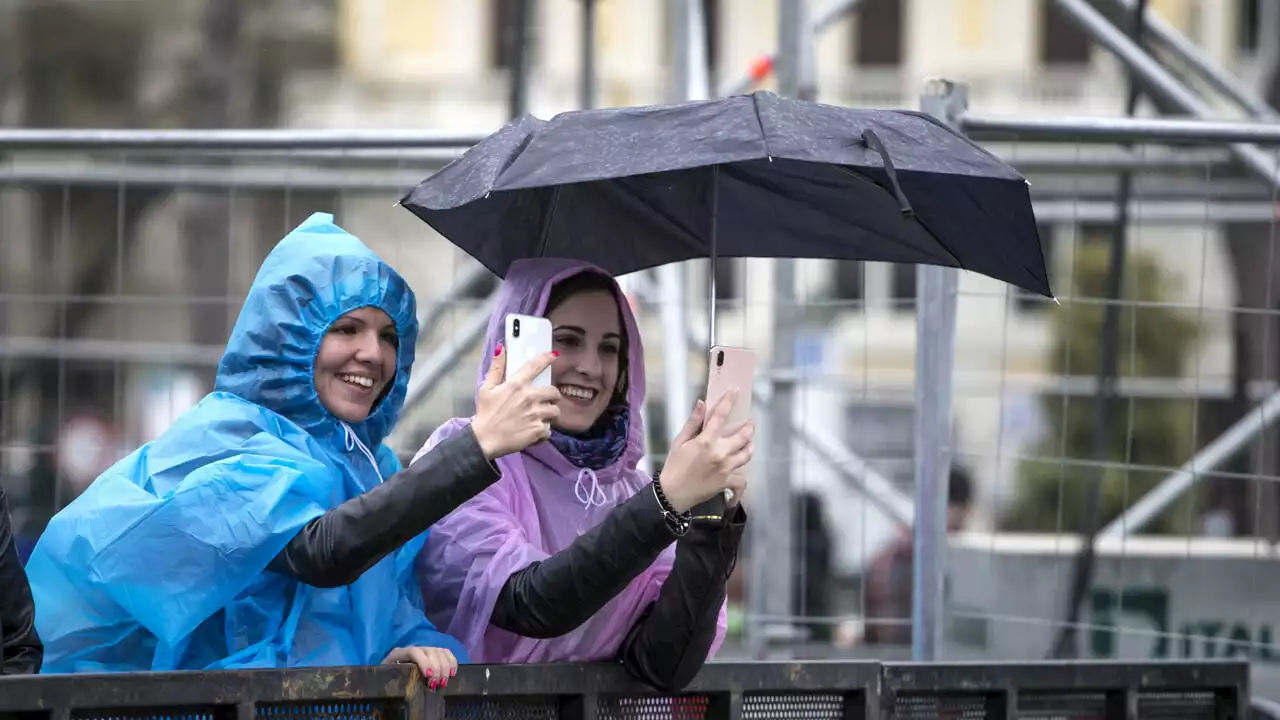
[704, 457]
[435, 664]
[511, 414]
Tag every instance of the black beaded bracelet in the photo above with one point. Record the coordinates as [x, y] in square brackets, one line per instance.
[679, 523]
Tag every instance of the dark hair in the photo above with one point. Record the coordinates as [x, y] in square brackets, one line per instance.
[594, 282]
[959, 488]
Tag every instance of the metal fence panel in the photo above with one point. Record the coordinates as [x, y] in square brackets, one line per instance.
[746, 691]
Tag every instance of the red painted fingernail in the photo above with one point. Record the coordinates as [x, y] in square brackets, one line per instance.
[428, 673]
[555, 353]
[444, 682]
[498, 350]
[434, 684]
[453, 671]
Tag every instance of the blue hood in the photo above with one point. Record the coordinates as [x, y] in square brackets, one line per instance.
[161, 564]
[315, 275]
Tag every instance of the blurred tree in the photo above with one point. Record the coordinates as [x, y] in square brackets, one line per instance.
[1154, 342]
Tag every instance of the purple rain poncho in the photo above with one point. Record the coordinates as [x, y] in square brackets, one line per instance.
[539, 507]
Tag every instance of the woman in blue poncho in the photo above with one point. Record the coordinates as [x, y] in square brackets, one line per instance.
[269, 526]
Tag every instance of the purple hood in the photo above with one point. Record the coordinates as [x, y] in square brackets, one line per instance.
[539, 507]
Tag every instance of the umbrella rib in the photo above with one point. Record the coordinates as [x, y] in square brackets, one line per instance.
[764, 138]
[546, 224]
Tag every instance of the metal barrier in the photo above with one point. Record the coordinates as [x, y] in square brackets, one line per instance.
[747, 691]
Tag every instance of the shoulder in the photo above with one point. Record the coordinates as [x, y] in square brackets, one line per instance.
[442, 433]
[448, 430]
[223, 434]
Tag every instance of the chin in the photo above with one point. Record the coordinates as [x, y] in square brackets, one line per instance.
[575, 424]
[352, 416]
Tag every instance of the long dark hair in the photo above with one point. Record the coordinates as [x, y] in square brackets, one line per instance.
[591, 282]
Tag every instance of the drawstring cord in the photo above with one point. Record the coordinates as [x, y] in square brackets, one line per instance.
[353, 442]
[588, 496]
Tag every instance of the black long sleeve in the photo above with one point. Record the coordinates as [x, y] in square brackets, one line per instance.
[21, 652]
[668, 645]
[338, 547]
[553, 597]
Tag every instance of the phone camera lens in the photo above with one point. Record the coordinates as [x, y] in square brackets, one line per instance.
[720, 359]
[515, 328]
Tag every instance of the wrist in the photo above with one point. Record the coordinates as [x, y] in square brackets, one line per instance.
[485, 440]
[674, 504]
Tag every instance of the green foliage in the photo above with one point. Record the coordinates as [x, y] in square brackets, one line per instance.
[1153, 342]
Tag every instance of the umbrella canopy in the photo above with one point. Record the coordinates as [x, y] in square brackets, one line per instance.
[745, 176]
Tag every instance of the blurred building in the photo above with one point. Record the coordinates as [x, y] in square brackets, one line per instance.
[433, 64]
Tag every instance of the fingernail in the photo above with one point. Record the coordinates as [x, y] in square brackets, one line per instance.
[453, 671]
[434, 684]
[498, 350]
[444, 682]
[555, 353]
[428, 672]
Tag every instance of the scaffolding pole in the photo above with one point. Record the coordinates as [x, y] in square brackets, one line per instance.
[1159, 498]
[1161, 84]
[284, 139]
[936, 292]
[1181, 47]
[764, 65]
[1168, 131]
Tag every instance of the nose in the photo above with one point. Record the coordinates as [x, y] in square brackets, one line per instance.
[588, 364]
[369, 348]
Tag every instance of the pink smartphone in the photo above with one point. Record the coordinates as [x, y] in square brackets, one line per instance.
[731, 368]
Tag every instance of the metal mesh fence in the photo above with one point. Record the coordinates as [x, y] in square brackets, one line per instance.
[123, 269]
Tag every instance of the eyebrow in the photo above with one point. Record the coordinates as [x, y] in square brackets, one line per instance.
[580, 331]
[390, 325]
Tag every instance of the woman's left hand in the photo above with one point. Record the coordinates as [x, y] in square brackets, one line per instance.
[436, 664]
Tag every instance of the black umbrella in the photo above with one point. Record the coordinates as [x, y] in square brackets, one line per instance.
[745, 176]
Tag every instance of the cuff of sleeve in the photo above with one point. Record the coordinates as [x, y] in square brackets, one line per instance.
[467, 458]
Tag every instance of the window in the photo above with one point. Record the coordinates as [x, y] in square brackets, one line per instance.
[878, 34]
[711, 16]
[902, 287]
[504, 19]
[726, 279]
[849, 280]
[1062, 42]
[1248, 25]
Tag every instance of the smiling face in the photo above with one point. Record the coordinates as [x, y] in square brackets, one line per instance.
[356, 362]
[587, 333]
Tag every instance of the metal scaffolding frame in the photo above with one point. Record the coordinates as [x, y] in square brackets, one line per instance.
[130, 156]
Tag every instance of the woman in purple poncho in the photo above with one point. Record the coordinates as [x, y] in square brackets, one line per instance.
[574, 554]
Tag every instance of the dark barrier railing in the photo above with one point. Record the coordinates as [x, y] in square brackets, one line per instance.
[736, 691]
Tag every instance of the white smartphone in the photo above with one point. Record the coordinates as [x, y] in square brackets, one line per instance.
[731, 368]
[527, 337]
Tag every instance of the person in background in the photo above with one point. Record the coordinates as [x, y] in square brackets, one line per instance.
[569, 557]
[270, 526]
[888, 583]
[811, 565]
[21, 651]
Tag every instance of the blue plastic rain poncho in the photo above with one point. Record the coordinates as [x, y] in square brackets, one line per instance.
[160, 564]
